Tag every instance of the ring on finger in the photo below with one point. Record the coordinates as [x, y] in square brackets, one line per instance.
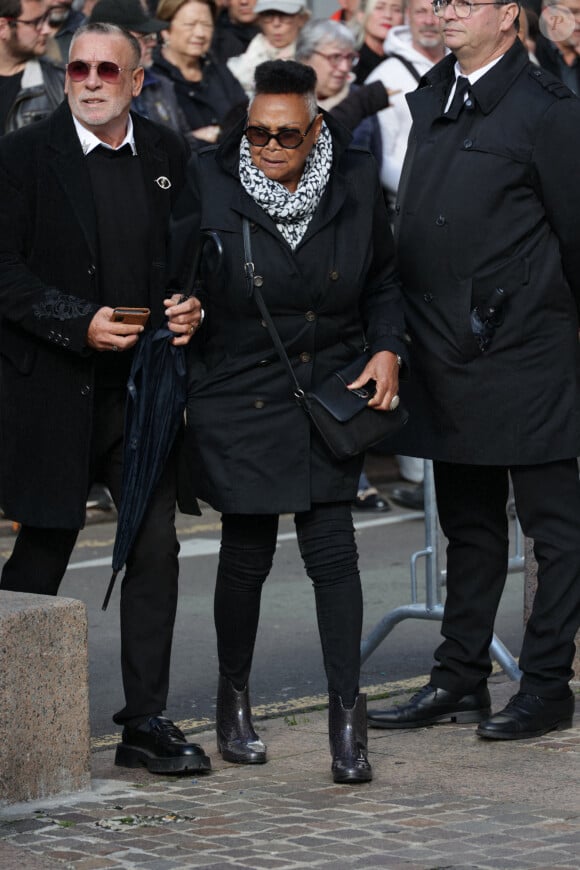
[394, 403]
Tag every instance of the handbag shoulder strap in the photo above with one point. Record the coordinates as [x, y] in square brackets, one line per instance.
[254, 283]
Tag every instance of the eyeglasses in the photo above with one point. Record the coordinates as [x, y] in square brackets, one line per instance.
[286, 138]
[107, 71]
[462, 8]
[335, 59]
[37, 23]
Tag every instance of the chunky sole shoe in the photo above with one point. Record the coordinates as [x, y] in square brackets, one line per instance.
[131, 756]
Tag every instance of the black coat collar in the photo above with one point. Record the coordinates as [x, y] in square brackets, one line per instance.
[488, 91]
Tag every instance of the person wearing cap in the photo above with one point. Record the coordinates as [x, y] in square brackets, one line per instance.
[280, 22]
[157, 100]
[206, 91]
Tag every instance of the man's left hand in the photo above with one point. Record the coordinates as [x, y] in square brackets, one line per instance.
[383, 369]
[183, 317]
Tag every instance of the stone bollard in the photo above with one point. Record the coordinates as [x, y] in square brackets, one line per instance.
[530, 583]
[44, 703]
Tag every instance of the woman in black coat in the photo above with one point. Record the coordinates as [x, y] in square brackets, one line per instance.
[321, 243]
[206, 90]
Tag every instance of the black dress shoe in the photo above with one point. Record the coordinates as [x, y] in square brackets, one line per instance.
[371, 501]
[161, 747]
[529, 716]
[430, 706]
[410, 498]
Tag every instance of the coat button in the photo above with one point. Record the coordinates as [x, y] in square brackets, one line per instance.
[258, 281]
[66, 341]
[428, 297]
[467, 143]
[333, 275]
[259, 404]
[51, 335]
[310, 316]
[264, 324]
[91, 270]
[85, 390]
[440, 221]
[264, 362]
[305, 357]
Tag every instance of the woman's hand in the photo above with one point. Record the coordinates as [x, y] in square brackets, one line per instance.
[382, 368]
[183, 317]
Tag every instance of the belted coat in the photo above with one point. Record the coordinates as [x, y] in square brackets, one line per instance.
[335, 292]
[490, 199]
[49, 292]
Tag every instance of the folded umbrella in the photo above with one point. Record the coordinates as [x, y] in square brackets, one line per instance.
[157, 394]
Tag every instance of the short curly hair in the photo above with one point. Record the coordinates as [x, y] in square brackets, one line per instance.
[287, 77]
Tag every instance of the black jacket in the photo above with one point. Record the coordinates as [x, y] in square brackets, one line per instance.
[336, 289]
[231, 38]
[206, 102]
[490, 200]
[48, 296]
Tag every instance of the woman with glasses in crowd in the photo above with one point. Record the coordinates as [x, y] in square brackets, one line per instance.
[206, 91]
[322, 248]
[280, 22]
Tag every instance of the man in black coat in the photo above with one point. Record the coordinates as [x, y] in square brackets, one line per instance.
[489, 253]
[85, 198]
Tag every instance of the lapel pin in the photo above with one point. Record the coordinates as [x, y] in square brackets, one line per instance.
[163, 182]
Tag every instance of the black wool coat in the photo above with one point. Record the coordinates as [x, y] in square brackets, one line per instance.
[491, 200]
[49, 279]
[337, 290]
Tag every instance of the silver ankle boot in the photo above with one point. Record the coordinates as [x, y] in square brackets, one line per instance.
[236, 739]
[347, 730]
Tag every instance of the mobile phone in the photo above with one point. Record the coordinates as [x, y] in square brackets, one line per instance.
[132, 316]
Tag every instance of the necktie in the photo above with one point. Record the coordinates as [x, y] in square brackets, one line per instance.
[458, 101]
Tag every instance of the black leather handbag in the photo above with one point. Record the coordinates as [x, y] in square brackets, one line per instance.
[341, 416]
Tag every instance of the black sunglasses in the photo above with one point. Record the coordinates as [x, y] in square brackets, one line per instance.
[107, 71]
[286, 138]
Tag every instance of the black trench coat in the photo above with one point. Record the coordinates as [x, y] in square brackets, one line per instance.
[490, 200]
[253, 442]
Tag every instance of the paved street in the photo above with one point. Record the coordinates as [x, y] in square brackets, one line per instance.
[441, 799]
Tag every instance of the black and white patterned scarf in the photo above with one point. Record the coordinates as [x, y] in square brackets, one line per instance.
[291, 212]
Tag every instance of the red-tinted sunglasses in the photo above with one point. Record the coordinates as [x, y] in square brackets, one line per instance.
[107, 71]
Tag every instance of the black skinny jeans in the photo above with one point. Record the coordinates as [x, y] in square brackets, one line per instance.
[326, 540]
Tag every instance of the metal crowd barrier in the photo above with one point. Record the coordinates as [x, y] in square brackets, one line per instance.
[432, 607]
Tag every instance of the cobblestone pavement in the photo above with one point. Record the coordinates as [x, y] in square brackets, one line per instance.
[441, 798]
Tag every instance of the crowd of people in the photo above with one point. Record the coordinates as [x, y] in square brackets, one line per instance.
[279, 152]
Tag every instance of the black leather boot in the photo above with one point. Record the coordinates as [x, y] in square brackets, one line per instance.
[236, 739]
[347, 730]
